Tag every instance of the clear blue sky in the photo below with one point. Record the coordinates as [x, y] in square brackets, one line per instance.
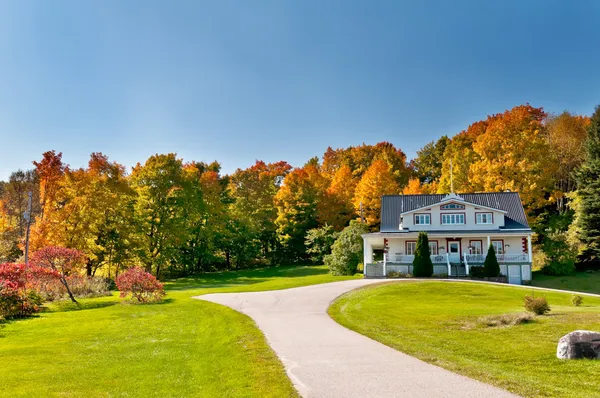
[275, 80]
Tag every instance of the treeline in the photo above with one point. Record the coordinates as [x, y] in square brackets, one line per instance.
[177, 217]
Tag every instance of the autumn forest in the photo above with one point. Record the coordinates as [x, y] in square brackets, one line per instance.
[176, 217]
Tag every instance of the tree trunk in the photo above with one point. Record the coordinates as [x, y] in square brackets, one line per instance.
[66, 285]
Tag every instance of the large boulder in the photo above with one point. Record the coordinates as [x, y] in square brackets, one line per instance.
[579, 344]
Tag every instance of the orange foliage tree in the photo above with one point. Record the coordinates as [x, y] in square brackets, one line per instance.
[514, 155]
[376, 182]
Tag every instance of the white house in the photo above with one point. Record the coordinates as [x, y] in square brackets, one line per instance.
[460, 227]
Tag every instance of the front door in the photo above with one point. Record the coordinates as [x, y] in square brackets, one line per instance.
[454, 251]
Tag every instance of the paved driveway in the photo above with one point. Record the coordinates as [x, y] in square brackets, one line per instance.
[324, 359]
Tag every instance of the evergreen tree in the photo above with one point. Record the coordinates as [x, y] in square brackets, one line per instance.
[422, 265]
[588, 190]
[491, 268]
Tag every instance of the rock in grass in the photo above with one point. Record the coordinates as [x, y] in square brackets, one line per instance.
[578, 345]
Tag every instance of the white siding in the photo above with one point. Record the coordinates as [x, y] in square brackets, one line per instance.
[436, 223]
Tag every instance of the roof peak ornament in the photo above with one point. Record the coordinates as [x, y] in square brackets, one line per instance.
[453, 196]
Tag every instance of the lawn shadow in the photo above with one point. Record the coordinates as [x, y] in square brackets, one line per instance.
[68, 306]
[243, 277]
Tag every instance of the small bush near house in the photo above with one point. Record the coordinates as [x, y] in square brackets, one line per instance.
[142, 286]
[397, 274]
[537, 305]
[576, 300]
[477, 272]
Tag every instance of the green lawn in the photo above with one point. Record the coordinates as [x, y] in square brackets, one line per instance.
[182, 347]
[434, 321]
[588, 282]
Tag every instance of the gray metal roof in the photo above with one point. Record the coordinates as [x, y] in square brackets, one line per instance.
[393, 205]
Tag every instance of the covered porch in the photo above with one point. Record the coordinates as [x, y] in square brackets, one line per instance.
[451, 254]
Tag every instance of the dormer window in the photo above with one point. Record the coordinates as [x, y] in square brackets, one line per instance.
[484, 218]
[452, 206]
[453, 219]
[422, 219]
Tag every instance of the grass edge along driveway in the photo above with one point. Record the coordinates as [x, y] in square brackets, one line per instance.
[436, 322]
[181, 347]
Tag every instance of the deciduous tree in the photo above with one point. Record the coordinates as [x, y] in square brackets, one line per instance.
[376, 182]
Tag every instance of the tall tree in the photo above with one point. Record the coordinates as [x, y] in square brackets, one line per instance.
[297, 205]
[567, 134]
[376, 182]
[513, 155]
[159, 184]
[338, 209]
[253, 206]
[427, 166]
[459, 155]
[50, 171]
[14, 199]
[588, 192]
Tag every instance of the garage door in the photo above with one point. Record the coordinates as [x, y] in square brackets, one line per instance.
[514, 274]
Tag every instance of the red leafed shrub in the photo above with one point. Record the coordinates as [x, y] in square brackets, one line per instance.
[142, 285]
[15, 273]
[16, 301]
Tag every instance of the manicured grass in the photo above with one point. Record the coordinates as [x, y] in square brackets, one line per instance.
[182, 347]
[435, 321]
[588, 282]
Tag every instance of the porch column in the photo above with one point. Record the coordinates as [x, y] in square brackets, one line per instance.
[529, 251]
[488, 245]
[367, 254]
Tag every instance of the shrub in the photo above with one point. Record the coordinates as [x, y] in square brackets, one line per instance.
[477, 272]
[490, 265]
[87, 286]
[560, 254]
[347, 251]
[576, 300]
[422, 265]
[537, 305]
[142, 286]
[16, 301]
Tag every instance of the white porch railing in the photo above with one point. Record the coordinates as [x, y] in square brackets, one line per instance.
[510, 258]
[502, 258]
[409, 258]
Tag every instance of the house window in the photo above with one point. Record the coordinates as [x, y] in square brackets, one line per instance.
[453, 219]
[498, 246]
[452, 206]
[422, 219]
[476, 247]
[484, 218]
[433, 247]
[411, 247]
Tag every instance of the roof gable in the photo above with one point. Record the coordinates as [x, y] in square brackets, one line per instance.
[392, 206]
[454, 199]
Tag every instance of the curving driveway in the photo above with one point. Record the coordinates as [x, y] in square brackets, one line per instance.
[324, 359]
